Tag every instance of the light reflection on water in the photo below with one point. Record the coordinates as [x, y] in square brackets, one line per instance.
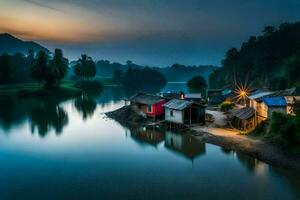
[68, 149]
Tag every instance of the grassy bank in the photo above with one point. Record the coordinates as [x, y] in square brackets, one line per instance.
[66, 89]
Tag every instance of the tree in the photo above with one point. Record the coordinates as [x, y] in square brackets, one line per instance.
[39, 68]
[58, 69]
[117, 76]
[197, 84]
[268, 30]
[292, 66]
[6, 69]
[85, 67]
[30, 57]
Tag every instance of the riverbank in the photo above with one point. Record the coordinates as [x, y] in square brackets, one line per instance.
[66, 89]
[215, 133]
[256, 148]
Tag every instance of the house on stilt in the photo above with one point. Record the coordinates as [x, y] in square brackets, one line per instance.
[184, 112]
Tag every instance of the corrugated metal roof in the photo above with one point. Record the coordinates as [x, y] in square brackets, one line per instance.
[177, 104]
[260, 95]
[274, 101]
[244, 113]
[193, 95]
[143, 98]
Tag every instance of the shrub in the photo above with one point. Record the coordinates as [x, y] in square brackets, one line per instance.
[226, 105]
[283, 129]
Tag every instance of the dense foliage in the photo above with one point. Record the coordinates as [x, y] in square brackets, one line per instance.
[197, 84]
[14, 68]
[49, 71]
[85, 67]
[282, 129]
[142, 78]
[175, 72]
[270, 58]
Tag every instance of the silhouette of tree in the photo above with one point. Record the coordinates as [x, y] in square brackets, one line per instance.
[6, 68]
[197, 84]
[57, 70]
[39, 68]
[292, 66]
[85, 67]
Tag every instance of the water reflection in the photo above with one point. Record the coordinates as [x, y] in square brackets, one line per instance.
[147, 135]
[86, 106]
[184, 145]
[47, 115]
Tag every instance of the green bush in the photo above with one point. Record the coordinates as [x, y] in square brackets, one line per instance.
[226, 105]
[284, 130]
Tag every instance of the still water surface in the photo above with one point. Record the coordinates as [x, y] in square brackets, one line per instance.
[68, 149]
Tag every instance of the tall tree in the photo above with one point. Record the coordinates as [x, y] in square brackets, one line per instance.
[197, 84]
[58, 68]
[39, 68]
[292, 66]
[85, 67]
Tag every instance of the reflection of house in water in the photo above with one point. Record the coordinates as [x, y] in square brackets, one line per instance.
[184, 145]
[147, 135]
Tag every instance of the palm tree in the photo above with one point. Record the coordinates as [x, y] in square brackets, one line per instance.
[85, 67]
[58, 68]
[39, 67]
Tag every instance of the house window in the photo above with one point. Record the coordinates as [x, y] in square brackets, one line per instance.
[149, 108]
[171, 113]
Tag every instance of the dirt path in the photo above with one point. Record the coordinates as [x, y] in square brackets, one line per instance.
[231, 139]
[220, 119]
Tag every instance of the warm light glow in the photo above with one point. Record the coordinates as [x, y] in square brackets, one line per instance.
[241, 91]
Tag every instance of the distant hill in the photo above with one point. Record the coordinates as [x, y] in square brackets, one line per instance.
[270, 60]
[174, 73]
[11, 45]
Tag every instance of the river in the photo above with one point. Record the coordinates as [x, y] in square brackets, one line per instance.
[68, 149]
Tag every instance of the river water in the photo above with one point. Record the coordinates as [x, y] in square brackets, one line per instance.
[68, 149]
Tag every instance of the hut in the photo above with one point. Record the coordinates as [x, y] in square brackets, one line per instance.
[244, 118]
[272, 104]
[148, 105]
[184, 112]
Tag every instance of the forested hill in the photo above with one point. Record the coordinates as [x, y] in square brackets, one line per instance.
[11, 45]
[269, 60]
[174, 73]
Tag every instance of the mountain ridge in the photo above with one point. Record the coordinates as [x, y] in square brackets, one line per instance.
[11, 45]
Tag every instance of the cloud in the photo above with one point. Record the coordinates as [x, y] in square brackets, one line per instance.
[41, 4]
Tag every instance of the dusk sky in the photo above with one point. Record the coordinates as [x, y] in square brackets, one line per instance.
[152, 32]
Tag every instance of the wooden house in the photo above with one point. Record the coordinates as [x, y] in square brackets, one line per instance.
[148, 105]
[255, 102]
[184, 112]
[244, 118]
[272, 104]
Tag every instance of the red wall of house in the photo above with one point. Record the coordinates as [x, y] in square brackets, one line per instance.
[157, 109]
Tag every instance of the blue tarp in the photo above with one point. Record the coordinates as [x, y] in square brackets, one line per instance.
[274, 101]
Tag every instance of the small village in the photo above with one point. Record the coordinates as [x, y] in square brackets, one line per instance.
[249, 108]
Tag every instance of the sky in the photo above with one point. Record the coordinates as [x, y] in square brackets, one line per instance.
[150, 32]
